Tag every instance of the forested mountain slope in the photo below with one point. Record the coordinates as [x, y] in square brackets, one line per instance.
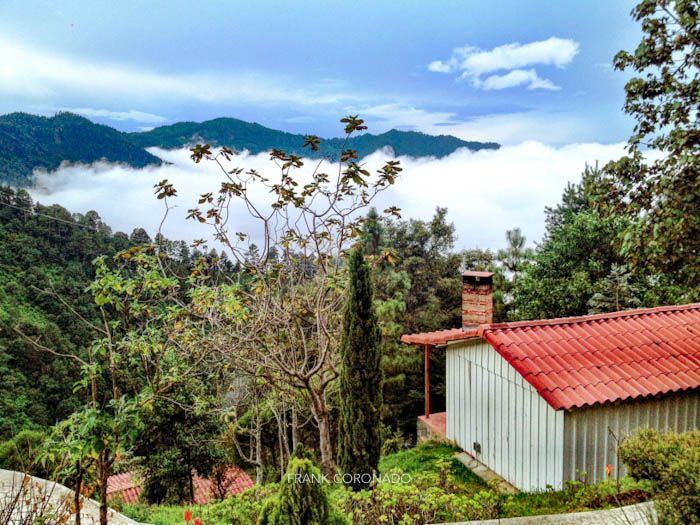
[28, 142]
[37, 253]
[240, 135]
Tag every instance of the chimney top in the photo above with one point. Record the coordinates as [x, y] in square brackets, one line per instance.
[477, 299]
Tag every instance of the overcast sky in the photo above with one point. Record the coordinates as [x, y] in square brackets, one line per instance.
[513, 72]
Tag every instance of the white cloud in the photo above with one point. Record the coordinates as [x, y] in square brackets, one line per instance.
[132, 114]
[504, 128]
[517, 77]
[473, 62]
[438, 66]
[26, 71]
[396, 115]
[513, 128]
[487, 192]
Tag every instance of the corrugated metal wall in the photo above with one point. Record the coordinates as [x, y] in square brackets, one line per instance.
[589, 444]
[488, 402]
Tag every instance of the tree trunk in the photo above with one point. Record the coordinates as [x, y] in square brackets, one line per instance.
[78, 486]
[189, 476]
[258, 455]
[295, 427]
[322, 415]
[103, 473]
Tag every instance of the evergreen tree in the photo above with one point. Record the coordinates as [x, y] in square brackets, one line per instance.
[302, 500]
[372, 232]
[360, 378]
[617, 291]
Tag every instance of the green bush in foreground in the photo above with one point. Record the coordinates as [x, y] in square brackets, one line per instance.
[410, 504]
[302, 499]
[671, 461]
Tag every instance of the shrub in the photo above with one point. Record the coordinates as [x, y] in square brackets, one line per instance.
[302, 499]
[393, 443]
[409, 504]
[244, 508]
[671, 461]
[20, 454]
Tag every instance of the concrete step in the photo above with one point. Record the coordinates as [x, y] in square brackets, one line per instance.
[485, 473]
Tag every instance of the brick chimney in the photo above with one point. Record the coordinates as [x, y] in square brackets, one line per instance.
[477, 299]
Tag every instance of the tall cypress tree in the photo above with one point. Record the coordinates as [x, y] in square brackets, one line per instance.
[360, 378]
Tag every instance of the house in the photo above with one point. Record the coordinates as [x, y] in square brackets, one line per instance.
[126, 487]
[541, 402]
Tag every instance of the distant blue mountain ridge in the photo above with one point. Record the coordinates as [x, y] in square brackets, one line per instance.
[28, 142]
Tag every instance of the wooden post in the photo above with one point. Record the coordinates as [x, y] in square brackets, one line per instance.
[427, 380]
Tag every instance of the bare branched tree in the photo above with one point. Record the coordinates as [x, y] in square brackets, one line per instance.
[292, 285]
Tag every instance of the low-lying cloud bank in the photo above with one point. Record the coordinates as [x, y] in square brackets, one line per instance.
[486, 192]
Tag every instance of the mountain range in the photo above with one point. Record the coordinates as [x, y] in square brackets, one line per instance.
[29, 142]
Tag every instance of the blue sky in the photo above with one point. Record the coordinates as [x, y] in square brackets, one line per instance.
[534, 76]
[497, 70]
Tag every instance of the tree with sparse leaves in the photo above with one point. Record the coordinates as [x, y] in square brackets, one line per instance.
[293, 292]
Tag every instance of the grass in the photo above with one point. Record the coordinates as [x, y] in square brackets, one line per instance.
[170, 514]
[154, 514]
[424, 464]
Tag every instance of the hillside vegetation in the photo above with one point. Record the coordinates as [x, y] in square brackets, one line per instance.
[28, 142]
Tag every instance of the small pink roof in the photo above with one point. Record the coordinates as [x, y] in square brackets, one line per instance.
[127, 486]
[477, 274]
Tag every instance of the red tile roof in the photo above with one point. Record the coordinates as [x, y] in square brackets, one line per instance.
[439, 337]
[127, 486]
[579, 361]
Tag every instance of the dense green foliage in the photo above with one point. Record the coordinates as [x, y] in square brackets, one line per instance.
[37, 254]
[302, 499]
[28, 142]
[239, 135]
[579, 269]
[671, 461]
[661, 197]
[178, 441]
[417, 288]
[359, 440]
[21, 453]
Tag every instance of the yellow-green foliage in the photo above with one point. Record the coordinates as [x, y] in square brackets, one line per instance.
[671, 461]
